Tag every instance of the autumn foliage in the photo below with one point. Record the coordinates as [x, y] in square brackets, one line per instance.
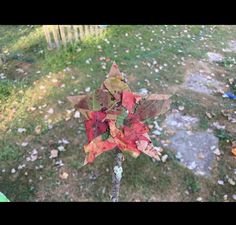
[114, 117]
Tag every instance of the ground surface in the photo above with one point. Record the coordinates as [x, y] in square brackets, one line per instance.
[195, 64]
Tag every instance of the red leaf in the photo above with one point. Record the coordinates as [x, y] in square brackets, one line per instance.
[126, 141]
[132, 118]
[148, 149]
[153, 106]
[75, 99]
[97, 147]
[129, 100]
[114, 71]
[94, 125]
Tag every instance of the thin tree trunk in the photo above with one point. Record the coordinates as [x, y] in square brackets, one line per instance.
[116, 175]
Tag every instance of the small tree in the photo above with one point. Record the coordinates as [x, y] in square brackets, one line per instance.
[113, 120]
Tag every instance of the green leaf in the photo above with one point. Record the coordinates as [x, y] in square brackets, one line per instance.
[115, 86]
[105, 136]
[154, 141]
[121, 118]
[3, 198]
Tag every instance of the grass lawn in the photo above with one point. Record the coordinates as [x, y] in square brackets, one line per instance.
[33, 97]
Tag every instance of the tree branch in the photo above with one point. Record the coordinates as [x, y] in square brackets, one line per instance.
[116, 175]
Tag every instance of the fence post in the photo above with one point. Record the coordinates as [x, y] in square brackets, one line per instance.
[69, 33]
[63, 37]
[76, 35]
[96, 30]
[47, 35]
[81, 32]
[56, 35]
[86, 30]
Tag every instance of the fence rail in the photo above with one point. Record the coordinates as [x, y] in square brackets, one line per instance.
[58, 35]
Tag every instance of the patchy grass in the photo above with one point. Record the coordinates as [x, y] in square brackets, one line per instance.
[154, 58]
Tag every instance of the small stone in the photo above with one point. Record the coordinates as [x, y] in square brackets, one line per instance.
[164, 158]
[13, 170]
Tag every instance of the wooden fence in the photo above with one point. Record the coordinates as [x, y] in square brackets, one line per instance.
[57, 35]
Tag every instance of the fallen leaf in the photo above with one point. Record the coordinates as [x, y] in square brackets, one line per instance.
[208, 115]
[24, 144]
[87, 89]
[21, 130]
[75, 99]
[233, 151]
[77, 114]
[64, 175]
[61, 148]
[217, 152]
[51, 111]
[231, 181]
[38, 129]
[164, 158]
[54, 154]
